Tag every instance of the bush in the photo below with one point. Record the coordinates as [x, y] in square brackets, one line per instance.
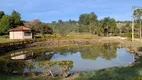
[2, 65]
[139, 49]
[8, 66]
[128, 35]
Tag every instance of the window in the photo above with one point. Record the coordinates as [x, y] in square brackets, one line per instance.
[27, 33]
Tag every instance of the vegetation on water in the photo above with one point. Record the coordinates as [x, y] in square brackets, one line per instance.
[47, 67]
[18, 66]
[8, 66]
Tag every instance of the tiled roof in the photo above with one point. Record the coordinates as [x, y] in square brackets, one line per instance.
[20, 28]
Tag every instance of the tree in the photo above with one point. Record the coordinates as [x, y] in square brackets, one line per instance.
[109, 26]
[92, 17]
[60, 21]
[106, 51]
[5, 24]
[45, 29]
[138, 14]
[88, 20]
[84, 19]
[16, 19]
[34, 25]
[92, 20]
[38, 27]
[1, 14]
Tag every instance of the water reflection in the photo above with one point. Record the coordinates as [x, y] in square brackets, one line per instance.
[32, 56]
[85, 58]
[106, 51]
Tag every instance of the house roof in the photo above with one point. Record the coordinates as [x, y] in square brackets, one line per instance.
[20, 28]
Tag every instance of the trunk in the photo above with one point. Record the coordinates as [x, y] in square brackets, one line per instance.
[50, 71]
[90, 29]
[140, 29]
[65, 73]
[133, 24]
[120, 31]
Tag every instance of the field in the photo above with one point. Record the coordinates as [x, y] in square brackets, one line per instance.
[4, 40]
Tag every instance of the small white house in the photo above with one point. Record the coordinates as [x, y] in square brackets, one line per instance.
[20, 32]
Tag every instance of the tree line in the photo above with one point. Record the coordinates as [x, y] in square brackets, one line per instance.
[9, 21]
[87, 23]
[14, 20]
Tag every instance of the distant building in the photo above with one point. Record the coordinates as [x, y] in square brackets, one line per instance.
[20, 32]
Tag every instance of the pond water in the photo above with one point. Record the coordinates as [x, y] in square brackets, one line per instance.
[88, 62]
[87, 58]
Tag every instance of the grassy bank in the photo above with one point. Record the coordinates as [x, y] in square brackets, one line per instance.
[4, 77]
[131, 72]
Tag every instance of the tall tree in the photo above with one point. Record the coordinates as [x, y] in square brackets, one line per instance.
[60, 21]
[1, 14]
[45, 29]
[138, 14]
[16, 19]
[84, 19]
[92, 21]
[109, 26]
[5, 24]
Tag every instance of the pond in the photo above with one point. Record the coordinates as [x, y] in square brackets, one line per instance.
[86, 58]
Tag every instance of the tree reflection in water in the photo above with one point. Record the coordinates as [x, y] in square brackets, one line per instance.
[106, 51]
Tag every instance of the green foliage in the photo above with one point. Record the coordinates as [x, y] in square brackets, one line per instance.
[5, 24]
[45, 29]
[84, 19]
[109, 26]
[8, 66]
[2, 65]
[9, 21]
[106, 51]
[64, 28]
[39, 27]
[88, 23]
[129, 35]
[46, 66]
[1, 14]
[16, 19]
[12, 65]
[138, 13]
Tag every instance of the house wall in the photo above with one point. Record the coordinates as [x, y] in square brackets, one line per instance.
[20, 35]
[16, 35]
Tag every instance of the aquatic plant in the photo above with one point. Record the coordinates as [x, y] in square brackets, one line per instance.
[47, 66]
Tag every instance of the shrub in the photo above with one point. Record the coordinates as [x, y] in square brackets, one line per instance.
[9, 66]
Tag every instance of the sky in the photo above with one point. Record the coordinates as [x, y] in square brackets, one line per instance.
[53, 10]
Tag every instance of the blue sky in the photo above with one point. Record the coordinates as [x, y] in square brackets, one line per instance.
[53, 10]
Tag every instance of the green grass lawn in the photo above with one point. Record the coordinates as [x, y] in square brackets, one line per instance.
[3, 40]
